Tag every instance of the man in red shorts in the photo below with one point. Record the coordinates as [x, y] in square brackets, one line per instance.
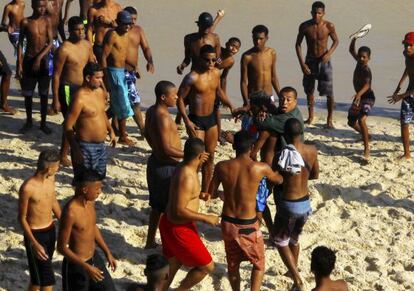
[181, 243]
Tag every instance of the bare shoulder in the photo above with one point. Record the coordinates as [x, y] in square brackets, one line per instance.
[330, 25]
[305, 24]
[26, 187]
[272, 51]
[190, 37]
[86, 43]
[190, 78]
[247, 55]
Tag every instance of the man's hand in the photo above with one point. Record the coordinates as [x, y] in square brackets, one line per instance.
[204, 157]
[220, 13]
[150, 68]
[112, 139]
[204, 196]
[305, 69]
[94, 273]
[212, 220]
[180, 69]
[19, 72]
[326, 57]
[395, 98]
[111, 262]
[56, 106]
[78, 157]
[191, 129]
[40, 252]
[356, 99]
[36, 65]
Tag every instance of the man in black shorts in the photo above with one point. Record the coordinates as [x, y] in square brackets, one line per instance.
[5, 73]
[162, 135]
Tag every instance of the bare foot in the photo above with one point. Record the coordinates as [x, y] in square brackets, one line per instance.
[404, 157]
[151, 246]
[9, 110]
[51, 111]
[329, 125]
[64, 161]
[26, 127]
[298, 287]
[309, 120]
[45, 129]
[126, 141]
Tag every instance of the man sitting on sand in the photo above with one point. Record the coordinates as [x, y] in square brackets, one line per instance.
[297, 163]
[407, 105]
[364, 98]
[322, 265]
[241, 233]
[156, 271]
[181, 244]
[87, 126]
[162, 135]
[82, 266]
[37, 202]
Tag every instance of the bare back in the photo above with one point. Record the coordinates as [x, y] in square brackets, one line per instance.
[153, 135]
[316, 36]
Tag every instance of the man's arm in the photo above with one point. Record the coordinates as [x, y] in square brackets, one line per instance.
[183, 92]
[49, 46]
[352, 50]
[298, 46]
[217, 19]
[75, 110]
[187, 55]
[224, 98]
[4, 24]
[24, 197]
[101, 243]
[112, 136]
[67, 7]
[107, 47]
[314, 174]
[56, 208]
[272, 176]
[275, 81]
[65, 230]
[91, 18]
[22, 36]
[223, 78]
[58, 64]
[244, 80]
[215, 182]
[335, 42]
[92, 57]
[395, 96]
[218, 48]
[257, 146]
[163, 125]
[146, 50]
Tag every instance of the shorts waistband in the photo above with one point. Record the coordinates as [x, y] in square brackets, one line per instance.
[44, 229]
[241, 221]
[304, 198]
[86, 143]
[162, 163]
[298, 207]
[115, 69]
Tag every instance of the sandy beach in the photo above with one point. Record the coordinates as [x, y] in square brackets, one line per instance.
[365, 212]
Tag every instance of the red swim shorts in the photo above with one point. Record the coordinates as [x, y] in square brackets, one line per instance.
[183, 242]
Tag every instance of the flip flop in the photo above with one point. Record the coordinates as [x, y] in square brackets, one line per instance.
[363, 31]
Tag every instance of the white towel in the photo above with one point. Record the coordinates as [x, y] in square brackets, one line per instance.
[290, 160]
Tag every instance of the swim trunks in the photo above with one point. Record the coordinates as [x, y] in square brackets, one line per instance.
[243, 241]
[95, 158]
[4, 66]
[291, 216]
[75, 278]
[407, 108]
[158, 179]
[364, 107]
[14, 40]
[204, 122]
[262, 195]
[133, 95]
[41, 271]
[120, 104]
[66, 92]
[321, 72]
[183, 242]
[30, 78]
[98, 51]
[56, 45]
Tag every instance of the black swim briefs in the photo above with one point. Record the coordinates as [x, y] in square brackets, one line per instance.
[204, 122]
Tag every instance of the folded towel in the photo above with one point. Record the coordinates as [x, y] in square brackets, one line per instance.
[290, 160]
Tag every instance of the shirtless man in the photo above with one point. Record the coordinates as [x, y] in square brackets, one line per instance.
[201, 87]
[240, 228]
[322, 265]
[101, 18]
[293, 205]
[54, 10]
[37, 201]
[69, 61]
[162, 135]
[14, 14]
[5, 73]
[181, 244]
[407, 105]
[84, 6]
[33, 68]
[317, 65]
[113, 61]
[82, 267]
[87, 126]
[137, 39]
[258, 66]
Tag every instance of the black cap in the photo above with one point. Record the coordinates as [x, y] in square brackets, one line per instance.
[205, 20]
[124, 17]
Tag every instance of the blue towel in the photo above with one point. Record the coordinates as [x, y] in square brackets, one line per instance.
[120, 104]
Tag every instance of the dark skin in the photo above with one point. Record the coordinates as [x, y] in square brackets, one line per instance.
[396, 97]
[83, 12]
[183, 208]
[37, 30]
[162, 135]
[69, 61]
[258, 69]
[316, 32]
[327, 284]
[240, 178]
[87, 115]
[54, 10]
[296, 187]
[14, 13]
[4, 91]
[201, 88]
[78, 232]
[362, 84]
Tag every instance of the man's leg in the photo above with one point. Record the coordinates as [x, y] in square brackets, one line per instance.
[365, 136]
[123, 137]
[405, 136]
[267, 216]
[28, 104]
[43, 114]
[139, 120]
[256, 279]
[330, 103]
[289, 261]
[210, 140]
[295, 248]
[154, 220]
[311, 103]
[195, 275]
[234, 278]
[64, 152]
[174, 265]
[4, 90]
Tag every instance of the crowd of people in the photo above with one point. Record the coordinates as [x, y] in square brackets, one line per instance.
[93, 71]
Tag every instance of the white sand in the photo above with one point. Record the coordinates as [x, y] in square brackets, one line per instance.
[364, 212]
